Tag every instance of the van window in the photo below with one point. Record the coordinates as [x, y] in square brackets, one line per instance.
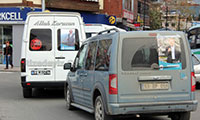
[91, 56]
[195, 60]
[163, 53]
[103, 55]
[40, 40]
[80, 59]
[68, 39]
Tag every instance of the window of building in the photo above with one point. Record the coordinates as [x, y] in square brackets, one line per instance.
[5, 35]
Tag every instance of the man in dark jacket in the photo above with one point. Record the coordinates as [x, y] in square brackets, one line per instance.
[8, 54]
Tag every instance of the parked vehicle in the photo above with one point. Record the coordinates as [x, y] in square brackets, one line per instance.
[92, 30]
[196, 63]
[193, 35]
[50, 40]
[125, 73]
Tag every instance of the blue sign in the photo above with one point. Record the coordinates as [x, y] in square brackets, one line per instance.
[15, 14]
[112, 20]
[98, 18]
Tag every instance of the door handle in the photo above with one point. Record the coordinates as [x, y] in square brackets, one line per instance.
[60, 57]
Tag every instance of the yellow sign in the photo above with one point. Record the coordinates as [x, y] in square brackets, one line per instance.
[112, 20]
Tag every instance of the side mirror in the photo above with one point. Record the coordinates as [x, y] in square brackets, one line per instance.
[67, 66]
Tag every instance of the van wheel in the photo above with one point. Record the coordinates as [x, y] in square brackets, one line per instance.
[181, 116]
[27, 92]
[68, 98]
[99, 110]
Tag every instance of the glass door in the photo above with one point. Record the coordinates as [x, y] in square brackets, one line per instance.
[5, 35]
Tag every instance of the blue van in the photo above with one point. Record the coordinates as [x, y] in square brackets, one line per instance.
[133, 73]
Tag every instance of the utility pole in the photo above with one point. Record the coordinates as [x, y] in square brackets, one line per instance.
[144, 14]
[43, 5]
[166, 23]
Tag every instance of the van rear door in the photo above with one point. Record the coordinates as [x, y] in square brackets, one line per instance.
[153, 67]
[40, 49]
[69, 30]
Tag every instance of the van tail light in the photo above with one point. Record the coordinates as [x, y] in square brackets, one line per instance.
[113, 87]
[193, 82]
[23, 65]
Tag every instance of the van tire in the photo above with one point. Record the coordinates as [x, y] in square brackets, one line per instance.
[68, 98]
[99, 110]
[27, 92]
[181, 116]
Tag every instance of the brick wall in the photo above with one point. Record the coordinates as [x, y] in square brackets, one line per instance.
[113, 7]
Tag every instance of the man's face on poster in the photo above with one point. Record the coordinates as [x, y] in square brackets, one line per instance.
[171, 41]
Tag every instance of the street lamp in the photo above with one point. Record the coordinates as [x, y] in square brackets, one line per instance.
[43, 5]
[166, 22]
[144, 13]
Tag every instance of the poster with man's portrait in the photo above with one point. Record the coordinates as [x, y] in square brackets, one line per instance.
[67, 39]
[169, 52]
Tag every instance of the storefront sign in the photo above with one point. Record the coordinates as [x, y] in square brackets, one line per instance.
[89, 18]
[6, 16]
[129, 15]
[15, 13]
[112, 20]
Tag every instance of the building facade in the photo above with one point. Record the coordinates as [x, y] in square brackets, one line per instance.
[130, 13]
[12, 17]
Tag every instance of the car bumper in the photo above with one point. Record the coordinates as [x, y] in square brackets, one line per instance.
[41, 84]
[149, 108]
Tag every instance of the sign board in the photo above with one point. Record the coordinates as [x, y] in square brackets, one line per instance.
[112, 20]
[129, 15]
[15, 14]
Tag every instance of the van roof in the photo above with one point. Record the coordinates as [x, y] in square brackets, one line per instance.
[129, 33]
[53, 13]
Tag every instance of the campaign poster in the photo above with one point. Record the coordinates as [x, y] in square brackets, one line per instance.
[169, 52]
[67, 39]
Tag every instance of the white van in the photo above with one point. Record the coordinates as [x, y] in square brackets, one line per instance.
[93, 29]
[50, 40]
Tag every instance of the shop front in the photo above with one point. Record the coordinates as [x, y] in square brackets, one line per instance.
[11, 29]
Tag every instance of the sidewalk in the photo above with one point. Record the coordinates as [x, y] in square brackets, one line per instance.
[14, 69]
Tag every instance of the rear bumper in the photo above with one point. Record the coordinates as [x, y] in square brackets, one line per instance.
[41, 84]
[149, 108]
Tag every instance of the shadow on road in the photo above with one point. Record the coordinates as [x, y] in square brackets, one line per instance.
[48, 93]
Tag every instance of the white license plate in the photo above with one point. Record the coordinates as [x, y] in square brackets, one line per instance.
[155, 85]
[40, 72]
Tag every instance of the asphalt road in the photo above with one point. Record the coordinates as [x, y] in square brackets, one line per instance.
[46, 104]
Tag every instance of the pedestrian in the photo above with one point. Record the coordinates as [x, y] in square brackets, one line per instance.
[8, 54]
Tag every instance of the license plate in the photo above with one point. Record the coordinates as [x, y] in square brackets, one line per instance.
[40, 72]
[155, 86]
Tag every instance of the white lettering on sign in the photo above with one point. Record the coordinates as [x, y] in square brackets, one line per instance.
[11, 16]
[127, 14]
[54, 23]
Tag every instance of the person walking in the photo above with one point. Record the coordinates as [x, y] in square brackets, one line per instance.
[8, 54]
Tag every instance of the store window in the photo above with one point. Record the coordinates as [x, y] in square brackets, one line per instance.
[5, 35]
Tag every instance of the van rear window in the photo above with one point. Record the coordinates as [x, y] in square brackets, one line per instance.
[159, 53]
[68, 39]
[40, 40]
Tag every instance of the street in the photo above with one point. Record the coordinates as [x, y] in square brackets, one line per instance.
[46, 104]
